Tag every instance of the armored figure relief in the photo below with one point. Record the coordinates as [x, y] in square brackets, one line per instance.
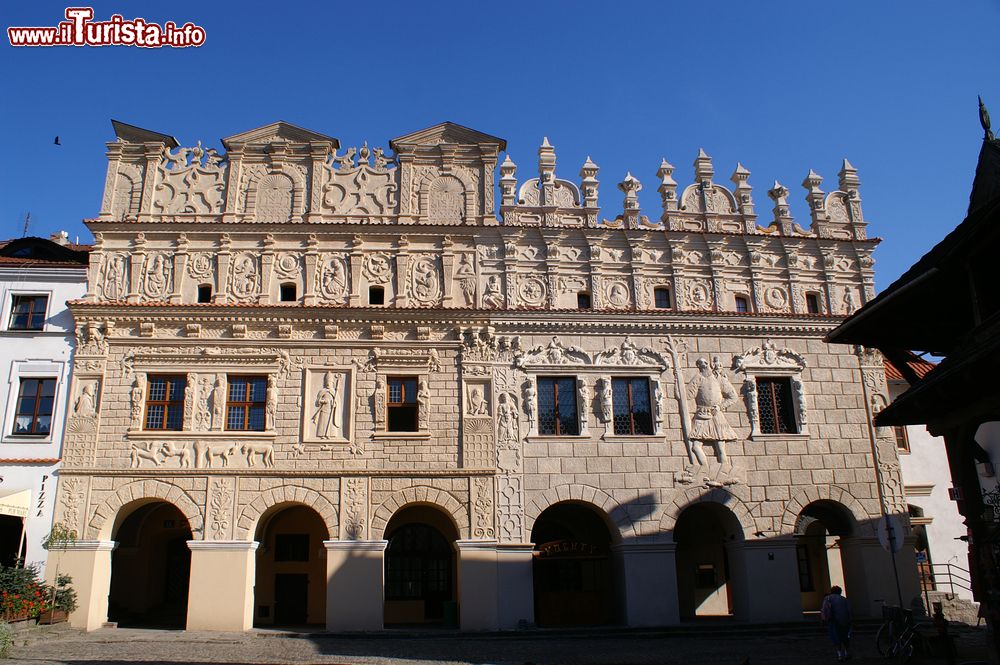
[327, 415]
[493, 295]
[712, 393]
[506, 421]
[477, 403]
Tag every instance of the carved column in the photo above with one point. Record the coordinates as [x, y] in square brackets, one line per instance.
[137, 260]
[309, 273]
[224, 257]
[447, 268]
[356, 259]
[94, 263]
[318, 150]
[154, 155]
[266, 270]
[235, 158]
[180, 269]
[406, 214]
[114, 156]
[402, 265]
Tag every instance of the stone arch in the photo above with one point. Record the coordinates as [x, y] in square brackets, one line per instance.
[469, 192]
[614, 513]
[246, 524]
[101, 524]
[128, 192]
[724, 496]
[421, 494]
[862, 520]
[297, 188]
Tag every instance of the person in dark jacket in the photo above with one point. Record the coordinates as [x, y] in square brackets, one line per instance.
[836, 614]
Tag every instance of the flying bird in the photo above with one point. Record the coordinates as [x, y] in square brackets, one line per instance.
[57, 141]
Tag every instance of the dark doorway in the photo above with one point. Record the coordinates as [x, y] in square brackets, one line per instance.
[151, 568]
[291, 598]
[420, 569]
[12, 545]
[819, 529]
[572, 567]
[709, 542]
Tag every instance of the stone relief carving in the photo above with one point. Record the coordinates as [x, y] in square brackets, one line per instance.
[157, 276]
[425, 279]
[85, 405]
[220, 503]
[465, 274]
[71, 495]
[507, 434]
[583, 404]
[150, 452]
[768, 355]
[183, 453]
[712, 393]
[696, 293]
[114, 281]
[245, 281]
[355, 507]
[531, 291]
[363, 190]
[251, 451]
[217, 402]
[379, 402]
[554, 353]
[493, 295]
[617, 293]
[274, 198]
[476, 404]
[510, 508]
[332, 278]
[377, 268]
[423, 404]
[630, 354]
[531, 405]
[288, 265]
[483, 502]
[327, 416]
[446, 200]
[201, 266]
[190, 180]
[138, 394]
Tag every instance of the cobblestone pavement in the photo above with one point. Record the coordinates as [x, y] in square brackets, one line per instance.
[769, 645]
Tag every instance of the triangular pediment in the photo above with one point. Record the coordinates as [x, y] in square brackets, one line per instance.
[132, 134]
[447, 132]
[278, 131]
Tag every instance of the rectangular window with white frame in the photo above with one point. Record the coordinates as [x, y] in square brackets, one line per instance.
[34, 407]
[27, 311]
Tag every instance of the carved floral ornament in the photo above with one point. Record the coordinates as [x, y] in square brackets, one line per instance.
[208, 357]
[190, 180]
[768, 357]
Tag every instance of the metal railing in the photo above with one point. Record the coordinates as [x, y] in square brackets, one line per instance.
[945, 576]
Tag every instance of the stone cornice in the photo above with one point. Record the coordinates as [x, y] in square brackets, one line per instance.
[258, 472]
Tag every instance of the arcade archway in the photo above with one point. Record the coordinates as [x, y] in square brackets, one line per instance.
[150, 567]
[710, 572]
[420, 572]
[572, 570]
[819, 530]
[290, 587]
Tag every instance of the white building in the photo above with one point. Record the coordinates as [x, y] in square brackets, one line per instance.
[37, 277]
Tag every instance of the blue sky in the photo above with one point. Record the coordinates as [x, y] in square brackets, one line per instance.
[780, 86]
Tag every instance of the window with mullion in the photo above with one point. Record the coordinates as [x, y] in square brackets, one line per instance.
[402, 407]
[557, 413]
[247, 403]
[28, 312]
[630, 398]
[35, 401]
[774, 406]
[165, 402]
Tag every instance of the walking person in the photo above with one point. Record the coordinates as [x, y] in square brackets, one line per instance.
[836, 614]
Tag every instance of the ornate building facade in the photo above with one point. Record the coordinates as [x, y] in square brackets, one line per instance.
[346, 387]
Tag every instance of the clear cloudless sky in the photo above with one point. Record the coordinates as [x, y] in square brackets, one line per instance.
[781, 87]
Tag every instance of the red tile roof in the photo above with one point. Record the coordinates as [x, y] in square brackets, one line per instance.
[919, 366]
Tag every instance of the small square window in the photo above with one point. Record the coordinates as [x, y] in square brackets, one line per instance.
[165, 402]
[35, 400]
[557, 411]
[661, 298]
[583, 300]
[774, 406]
[376, 295]
[402, 406]
[247, 402]
[28, 312]
[742, 304]
[812, 303]
[288, 293]
[632, 408]
[205, 293]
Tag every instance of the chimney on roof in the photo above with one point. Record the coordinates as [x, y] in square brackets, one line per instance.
[62, 237]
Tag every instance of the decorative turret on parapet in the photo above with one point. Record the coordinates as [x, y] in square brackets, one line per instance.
[547, 173]
[589, 183]
[744, 197]
[667, 189]
[783, 222]
[508, 182]
[815, 199]
[630, 217]
[849, 184]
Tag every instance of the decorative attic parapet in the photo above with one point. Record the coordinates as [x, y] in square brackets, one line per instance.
[548, 200]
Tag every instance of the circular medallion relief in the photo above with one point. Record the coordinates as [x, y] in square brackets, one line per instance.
[532, 291]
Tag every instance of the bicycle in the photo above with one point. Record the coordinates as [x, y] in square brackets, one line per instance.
[898, 636]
